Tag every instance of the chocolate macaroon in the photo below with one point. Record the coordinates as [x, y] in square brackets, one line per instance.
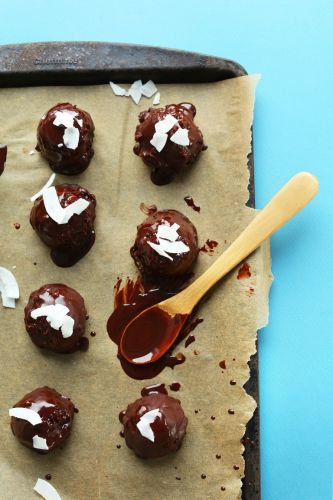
[154, 425]
[42, 419]
[64, 138]
[63, 217]
[55, 318]
[166, 244]
[168, 140]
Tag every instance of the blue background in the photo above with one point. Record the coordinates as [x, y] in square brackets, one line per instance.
[290, 43]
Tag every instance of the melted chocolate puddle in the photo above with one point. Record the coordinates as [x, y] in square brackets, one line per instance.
[130, 299]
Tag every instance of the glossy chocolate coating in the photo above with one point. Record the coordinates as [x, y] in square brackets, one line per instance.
[3, 157]
[169, 427]
[148, 261]
[56, 412]
[60, 158]
[68, 242]
[173, 158]
[40, 330]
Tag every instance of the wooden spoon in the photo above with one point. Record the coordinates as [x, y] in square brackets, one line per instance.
[150, 334]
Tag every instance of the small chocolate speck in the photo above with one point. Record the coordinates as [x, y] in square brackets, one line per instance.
[118, 446]
[195, 352]
[234, 359]
[222, 364]
[236, 467]
[176, 467]
[232, 382]
[203, 476]
[93, 334]
[222, 488]
[35, 263]
[212, 417]
[76, 410]
[231, 412]
[195, 411]
[17, 225]
[175, 386]
[48, 477]
[122, 434]
[87, 316]
[178, 478]
[218, 457]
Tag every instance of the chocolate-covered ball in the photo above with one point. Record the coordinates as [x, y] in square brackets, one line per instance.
[56, 413]
[155, 255]
[64, 138]
[154, 425]
[71, 241]
[61, 339]
[173, 157]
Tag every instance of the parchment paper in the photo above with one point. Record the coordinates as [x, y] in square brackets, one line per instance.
[91, 466]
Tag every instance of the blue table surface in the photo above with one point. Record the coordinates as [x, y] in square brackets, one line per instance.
[290, 43]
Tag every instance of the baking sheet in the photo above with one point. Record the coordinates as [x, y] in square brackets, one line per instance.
[91, 465]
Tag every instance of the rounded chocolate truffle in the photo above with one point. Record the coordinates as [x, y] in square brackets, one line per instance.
[154, 254]
[69, 242]
[173, 157]
[56, 413]
[154, 425]
[64, 138]
[40, 330]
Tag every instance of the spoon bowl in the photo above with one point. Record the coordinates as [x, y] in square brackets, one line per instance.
[151, 334]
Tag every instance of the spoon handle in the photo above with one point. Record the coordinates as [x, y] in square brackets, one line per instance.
[283, 206]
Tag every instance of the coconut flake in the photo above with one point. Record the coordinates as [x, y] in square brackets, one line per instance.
[26, 414]
[181, 137]
[56, 211]
[148, 89]
[48, 184]
[56, 316]
[166, 124]
[32, 152]
[144, 424]
[9, 283]
[67, 327]
[75, 208]
[71, 137]
[79, 121]
[117, 90]
[46, 490]
[157, 99]
[8, 288]
[52, 205]
[167, 237]
[60, 145]
[39, 443]
[65, 118]
[168, 232]
[159, 140]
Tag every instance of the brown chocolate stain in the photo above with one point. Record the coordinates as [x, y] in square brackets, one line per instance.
[189, 340]
[175, 386]
[190, 202]
[148, 209]
[244, 271]
[209, 247]
[222, 364]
